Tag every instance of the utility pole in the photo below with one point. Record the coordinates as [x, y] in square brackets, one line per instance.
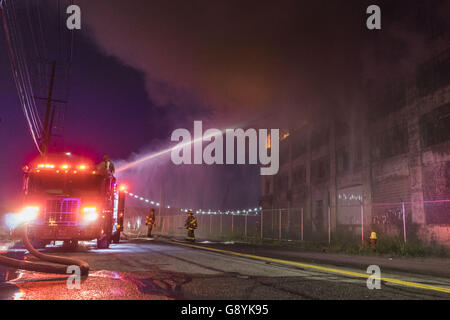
[49, 114]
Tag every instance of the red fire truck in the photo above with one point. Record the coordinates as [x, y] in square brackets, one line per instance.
[68, 199]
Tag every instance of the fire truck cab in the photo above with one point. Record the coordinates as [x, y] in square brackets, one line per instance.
[69, 199]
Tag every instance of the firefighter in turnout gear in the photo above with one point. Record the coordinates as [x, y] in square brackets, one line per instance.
[191, 225]
[149, 222]
[106, 165]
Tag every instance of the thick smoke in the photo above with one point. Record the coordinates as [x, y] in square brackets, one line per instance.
[287, 60]
[254, 56]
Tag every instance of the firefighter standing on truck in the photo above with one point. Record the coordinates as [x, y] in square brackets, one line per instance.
[106, 165]
[191, 225]
[150, 221]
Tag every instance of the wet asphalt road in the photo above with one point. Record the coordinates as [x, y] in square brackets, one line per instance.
[155, 269]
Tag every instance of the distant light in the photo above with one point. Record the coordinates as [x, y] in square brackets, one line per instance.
[68, 154]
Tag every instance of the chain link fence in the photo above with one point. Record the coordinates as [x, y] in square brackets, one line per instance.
[351, 223]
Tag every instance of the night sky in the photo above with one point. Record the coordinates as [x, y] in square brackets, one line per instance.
[144, 68]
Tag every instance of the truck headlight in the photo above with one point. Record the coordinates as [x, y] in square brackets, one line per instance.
[90, 214]
[29, 213]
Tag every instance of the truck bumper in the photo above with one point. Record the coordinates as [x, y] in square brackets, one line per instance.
[64, 233]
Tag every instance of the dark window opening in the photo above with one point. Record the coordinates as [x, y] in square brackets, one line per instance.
[299, 175]
[435, 126]
[320, 169]
[282, 182]
[267, 190]
[391, 142]
[319, 138]
[342, 160]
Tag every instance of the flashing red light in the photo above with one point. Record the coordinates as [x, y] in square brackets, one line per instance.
[46, 166]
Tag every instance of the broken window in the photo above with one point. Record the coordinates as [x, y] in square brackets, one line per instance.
[319, 138]
[391, 142]
[282, 182]
[267, 187]
[342, 160]
[299, 175]
[435, 126]
[319, 169]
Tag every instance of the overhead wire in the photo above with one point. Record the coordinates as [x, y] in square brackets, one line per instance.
[20, 80]
[31, 63]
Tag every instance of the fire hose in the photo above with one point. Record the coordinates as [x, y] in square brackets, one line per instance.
[43, 267]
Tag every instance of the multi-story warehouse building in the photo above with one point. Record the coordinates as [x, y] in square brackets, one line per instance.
[385, 164]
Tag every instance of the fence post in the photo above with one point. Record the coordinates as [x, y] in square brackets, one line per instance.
[261, 225]
[329, 225]
[279, 225]
[302, 224]
[362, 225]
[272, 217]
[245, 225]
[288, 228]
[404, 222]
[232, 223]
[210, 223]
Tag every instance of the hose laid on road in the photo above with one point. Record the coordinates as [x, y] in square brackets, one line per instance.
[43, 267]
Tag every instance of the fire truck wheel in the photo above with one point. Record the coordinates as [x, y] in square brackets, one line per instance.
[103, 243]
[70, 244]
[116, 237]
[38, 244]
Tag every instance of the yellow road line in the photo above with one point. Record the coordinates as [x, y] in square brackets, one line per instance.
[315, 267]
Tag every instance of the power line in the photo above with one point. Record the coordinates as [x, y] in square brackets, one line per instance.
[20, 73]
